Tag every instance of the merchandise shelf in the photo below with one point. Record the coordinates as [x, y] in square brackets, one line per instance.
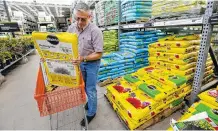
[12, 63]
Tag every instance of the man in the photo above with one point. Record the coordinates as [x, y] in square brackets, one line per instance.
[90, 50]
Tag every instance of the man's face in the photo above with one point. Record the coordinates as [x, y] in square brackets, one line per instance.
[82, 18]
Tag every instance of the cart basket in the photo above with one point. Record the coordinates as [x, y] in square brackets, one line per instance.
[60, 99]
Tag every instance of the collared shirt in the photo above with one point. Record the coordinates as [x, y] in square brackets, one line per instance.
[90, 39]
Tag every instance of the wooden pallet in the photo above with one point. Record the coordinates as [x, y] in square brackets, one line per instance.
[158, 118]
[108, 81]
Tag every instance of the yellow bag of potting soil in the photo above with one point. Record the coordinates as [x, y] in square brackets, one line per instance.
[209, 63]
[183, 44]
[185, 72]
[157, 45]
[183, 67]
[168, 77]
[158, 49]
[208, 73]
[120, 89]
[208, 68]
[186, 37]
[190, 76]
[154, 63]
[184, 91]
[60, 73]
[131, 123]
[61, 46]
[157, 90]
[210, 96]
[156, 54]
[181, 61]
[150, 59]
[180, 56]
[165, 65]
[138, 106]
[167, 38]
[145, 71]
[182, 50]
[175, 44]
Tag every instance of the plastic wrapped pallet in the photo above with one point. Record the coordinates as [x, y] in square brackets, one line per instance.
[137, 42]
[110, 41]
[115, 65]
[136, 10]
[177, 8]
[100, 6]
[111, 12]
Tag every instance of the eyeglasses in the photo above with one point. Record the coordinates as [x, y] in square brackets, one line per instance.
[80, 19]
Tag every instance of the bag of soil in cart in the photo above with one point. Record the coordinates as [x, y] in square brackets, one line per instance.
[59, 73]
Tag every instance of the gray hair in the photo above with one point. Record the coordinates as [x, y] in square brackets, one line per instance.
[81, 6]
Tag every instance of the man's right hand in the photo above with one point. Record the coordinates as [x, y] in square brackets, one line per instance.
[77, 61]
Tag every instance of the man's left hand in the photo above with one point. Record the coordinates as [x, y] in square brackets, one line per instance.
[77, 61]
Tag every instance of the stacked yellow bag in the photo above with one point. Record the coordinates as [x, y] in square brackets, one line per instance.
[142, 95]
[178, 54]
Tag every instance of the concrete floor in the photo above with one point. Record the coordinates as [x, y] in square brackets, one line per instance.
[18, 109]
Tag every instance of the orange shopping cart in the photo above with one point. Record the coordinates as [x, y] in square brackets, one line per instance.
[60, 103]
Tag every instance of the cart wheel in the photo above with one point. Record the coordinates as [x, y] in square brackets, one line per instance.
[83, 128]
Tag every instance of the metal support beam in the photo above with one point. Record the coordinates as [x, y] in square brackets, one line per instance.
[47, 13]
[38, 4]
[34, 12]
[19, 10]
[203, 53]
[8, 15]
[56, 10]
[213, 57]
[24, 11]
[60, 11]
[49, 10]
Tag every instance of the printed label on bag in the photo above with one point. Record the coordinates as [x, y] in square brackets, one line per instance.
[61, 67]
[54, 45]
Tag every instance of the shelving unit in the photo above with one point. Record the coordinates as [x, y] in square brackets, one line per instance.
[29, 25]
[12, 63]
[206, 22]
[45, 23]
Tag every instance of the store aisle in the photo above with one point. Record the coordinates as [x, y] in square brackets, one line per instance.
[17, 105]
[18, 109]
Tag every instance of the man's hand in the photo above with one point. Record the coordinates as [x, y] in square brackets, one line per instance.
[77, 61]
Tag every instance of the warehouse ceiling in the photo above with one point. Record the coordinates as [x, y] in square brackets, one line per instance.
[31, 9]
